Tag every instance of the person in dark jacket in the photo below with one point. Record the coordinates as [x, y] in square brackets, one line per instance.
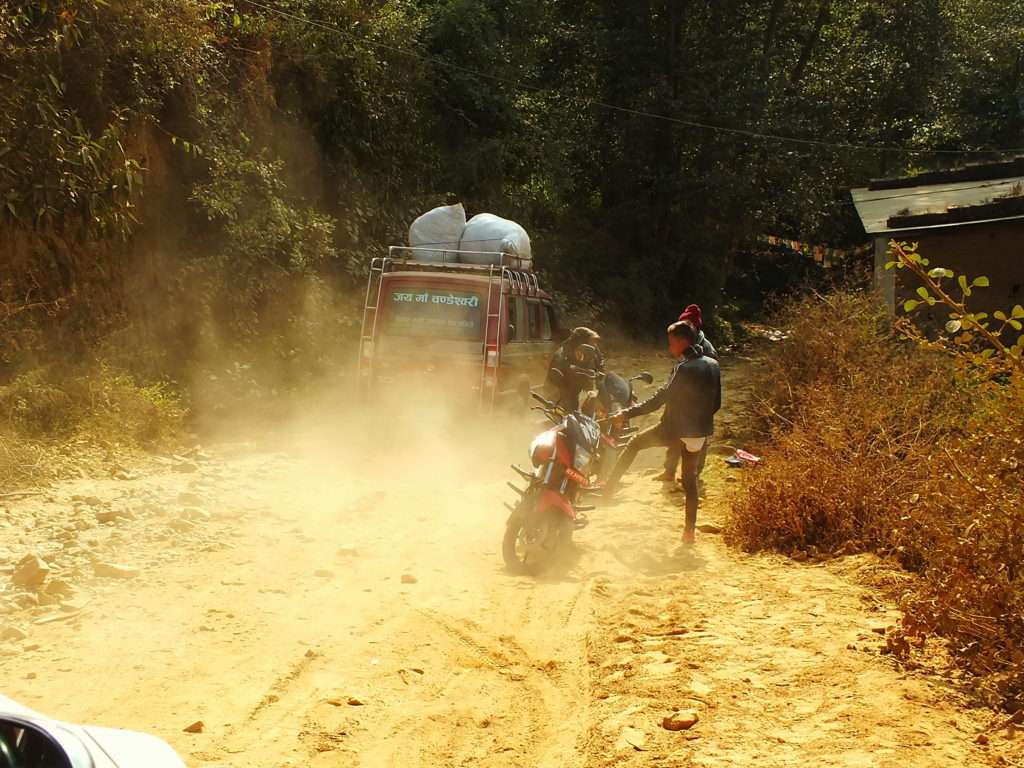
[691, 399]
[560, 376]
[674, 454]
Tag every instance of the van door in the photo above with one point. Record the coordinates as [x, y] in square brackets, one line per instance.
[541, 341]
[530, 343]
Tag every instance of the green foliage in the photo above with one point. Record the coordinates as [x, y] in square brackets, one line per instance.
[973, 336]
[246, 197]
[233, 146]
[34, 406]
[79, 74]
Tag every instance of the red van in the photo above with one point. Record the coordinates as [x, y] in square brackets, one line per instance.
[485, 330]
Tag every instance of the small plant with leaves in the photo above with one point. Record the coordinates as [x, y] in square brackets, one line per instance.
[977, 335]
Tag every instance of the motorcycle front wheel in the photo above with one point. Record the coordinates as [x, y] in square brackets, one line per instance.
[532, 538]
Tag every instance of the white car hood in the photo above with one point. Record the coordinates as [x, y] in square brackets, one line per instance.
[131, 749]
[108, 747]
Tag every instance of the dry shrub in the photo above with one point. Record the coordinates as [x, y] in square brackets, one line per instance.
[879, 445]
[853, 413]
[973, 586]
[98, 402]
[23, 462]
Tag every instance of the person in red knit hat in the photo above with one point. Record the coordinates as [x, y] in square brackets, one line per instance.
[674, 454]
[694, 315]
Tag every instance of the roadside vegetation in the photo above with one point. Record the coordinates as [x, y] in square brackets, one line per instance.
[48, 418]
[908, 443]
[191, 175]
[190, 191]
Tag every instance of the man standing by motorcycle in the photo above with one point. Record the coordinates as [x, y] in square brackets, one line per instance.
[691, 398]
[562, 378]
[674, 453]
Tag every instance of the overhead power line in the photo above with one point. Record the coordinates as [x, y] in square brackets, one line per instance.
[745, 132]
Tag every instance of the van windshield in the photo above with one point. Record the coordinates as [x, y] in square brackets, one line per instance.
[432, 312]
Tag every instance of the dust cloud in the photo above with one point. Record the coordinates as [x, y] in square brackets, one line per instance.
[405, 439]
[329, 591]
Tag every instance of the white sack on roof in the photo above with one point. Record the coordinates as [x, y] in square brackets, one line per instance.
[440, 228]
[493, 234]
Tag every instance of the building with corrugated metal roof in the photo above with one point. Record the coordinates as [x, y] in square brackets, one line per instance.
[970, 220]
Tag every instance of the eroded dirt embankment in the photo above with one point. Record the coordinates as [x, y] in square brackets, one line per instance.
[342, 601]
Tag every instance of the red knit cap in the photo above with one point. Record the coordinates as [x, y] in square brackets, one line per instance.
[693, 314]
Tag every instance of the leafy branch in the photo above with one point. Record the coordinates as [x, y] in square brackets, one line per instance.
[964, 326]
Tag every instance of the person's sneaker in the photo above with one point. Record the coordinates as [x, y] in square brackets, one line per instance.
[689, 538]
[665, 477]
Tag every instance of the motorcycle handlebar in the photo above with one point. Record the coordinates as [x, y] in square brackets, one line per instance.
[542, 400]
[548, 408]
[589, 373]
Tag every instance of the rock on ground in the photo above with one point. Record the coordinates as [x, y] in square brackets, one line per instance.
[30, 572]
[13, 633]
[680, 721]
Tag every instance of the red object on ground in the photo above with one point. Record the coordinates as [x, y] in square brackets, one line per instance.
[747, 457]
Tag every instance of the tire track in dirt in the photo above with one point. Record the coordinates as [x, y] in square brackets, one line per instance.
[280, 688]
[536, 697]
[571, 608]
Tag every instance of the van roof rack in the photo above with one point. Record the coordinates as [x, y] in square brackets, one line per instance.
[406, 256]
[402, 258]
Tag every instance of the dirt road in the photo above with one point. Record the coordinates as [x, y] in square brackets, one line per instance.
[343, 602]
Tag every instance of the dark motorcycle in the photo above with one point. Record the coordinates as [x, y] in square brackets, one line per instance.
[615, 394]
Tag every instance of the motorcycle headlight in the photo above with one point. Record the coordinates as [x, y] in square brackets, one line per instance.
[542, 447]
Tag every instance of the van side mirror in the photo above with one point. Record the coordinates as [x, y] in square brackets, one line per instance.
[22, 744]
[645, 377]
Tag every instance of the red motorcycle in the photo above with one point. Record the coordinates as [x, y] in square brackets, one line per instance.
[564, 459]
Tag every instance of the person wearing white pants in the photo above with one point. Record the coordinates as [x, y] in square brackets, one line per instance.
[691, 398]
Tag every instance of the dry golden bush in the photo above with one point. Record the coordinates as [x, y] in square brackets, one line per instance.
[877, 444]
